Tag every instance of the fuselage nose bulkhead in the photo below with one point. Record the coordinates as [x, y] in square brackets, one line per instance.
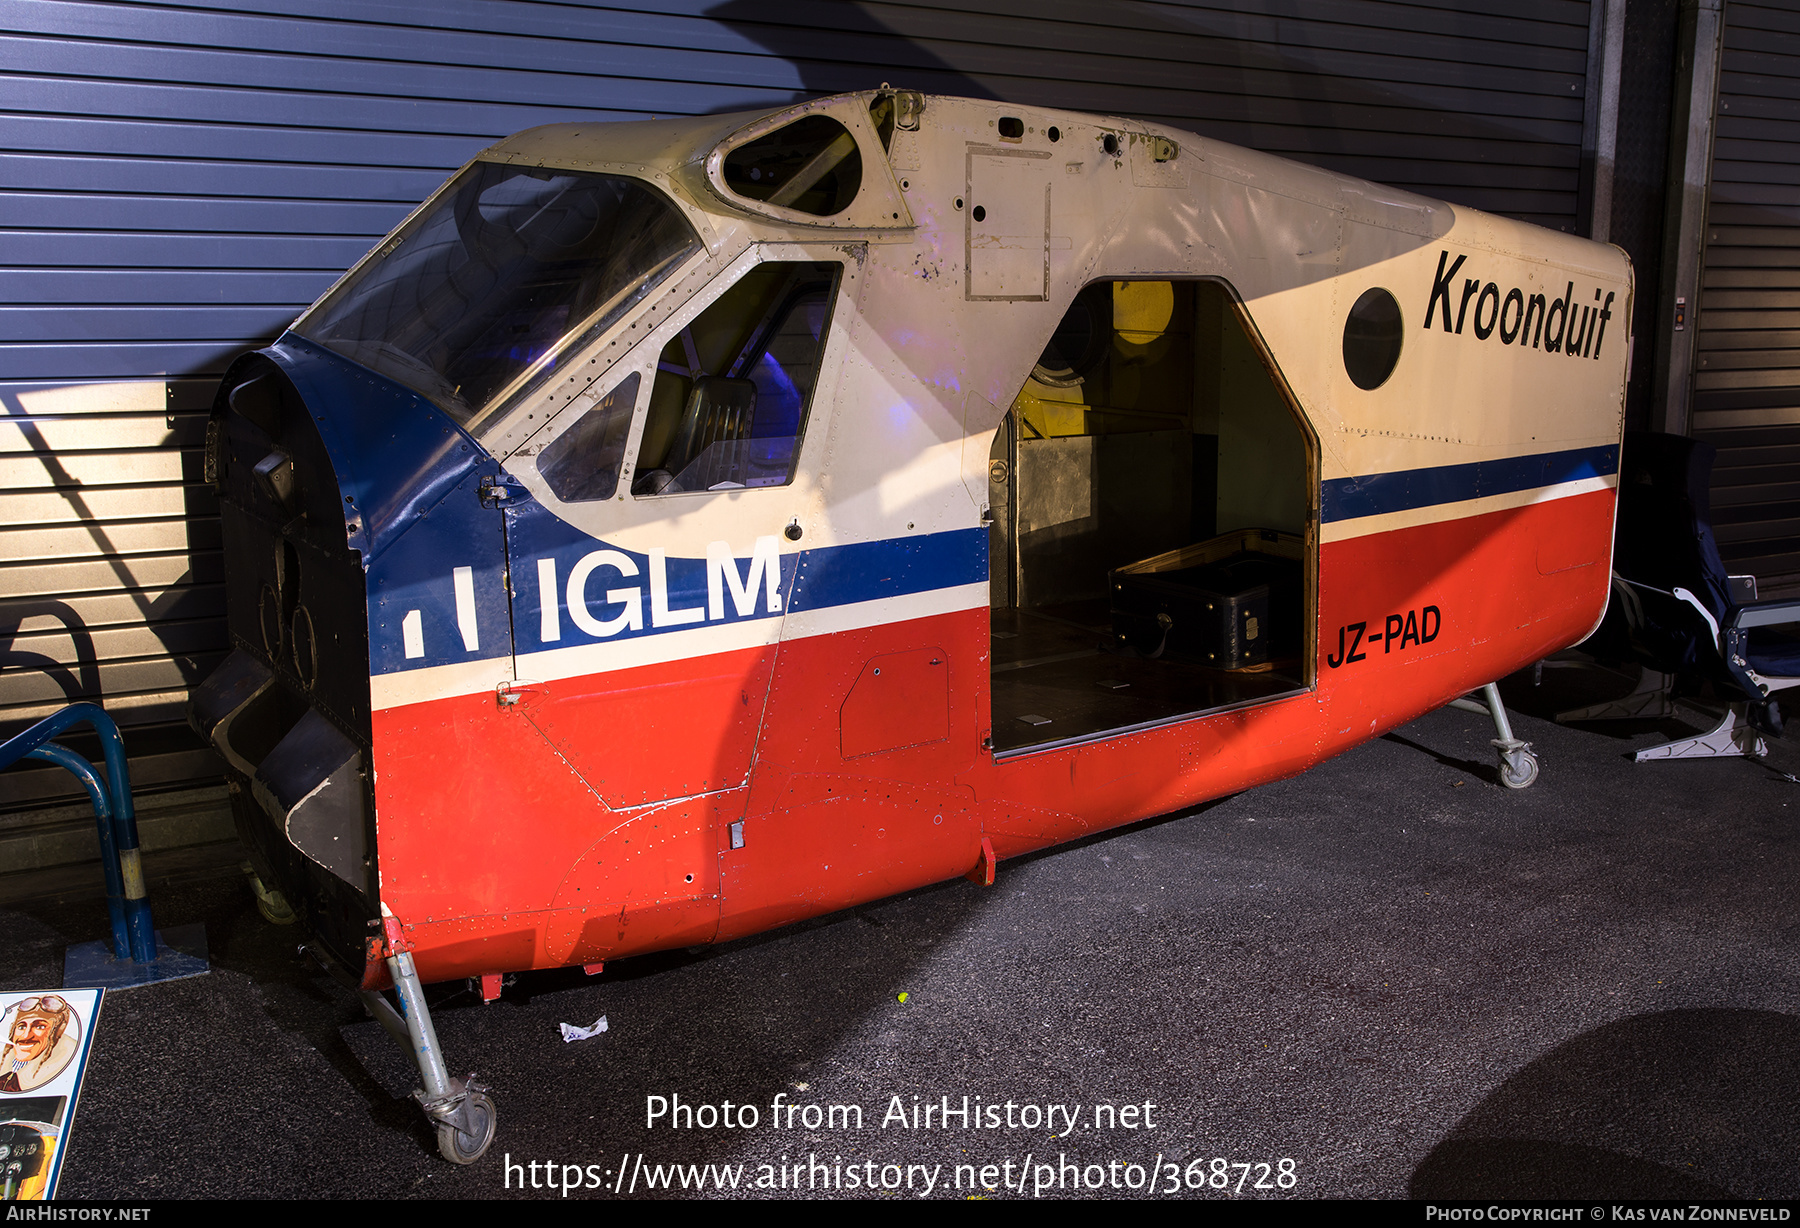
[322, 468]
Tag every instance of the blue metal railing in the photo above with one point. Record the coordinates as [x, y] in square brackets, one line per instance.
[133, 936]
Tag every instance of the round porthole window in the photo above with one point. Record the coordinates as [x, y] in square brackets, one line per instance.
[1372, 339]
[1080, 341]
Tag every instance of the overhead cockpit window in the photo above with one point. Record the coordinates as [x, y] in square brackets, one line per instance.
[582, 464]
[811, 165]
[729, 406]
[475, 302]
[1372, 336]
[883, 110]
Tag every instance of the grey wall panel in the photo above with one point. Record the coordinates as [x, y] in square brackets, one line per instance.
[1363, 68]
[34, 787]
[1756, 496]
[104, 503]
[88, 469]
[73, 434]
[90, 172]
[57, 250]
[132, 360]
[313, 90]
[1747, 366]
[259, 143]
[172, 103]
[128, 572]
[99, 539]
[186, 601]
[178, 181]
[129, 323]
[129, 685]
[84, 211]
[150, 286]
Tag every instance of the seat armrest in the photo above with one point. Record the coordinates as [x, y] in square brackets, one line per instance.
[1766, 614]
[1681, 594]
[1685, 598]
[1729, 641]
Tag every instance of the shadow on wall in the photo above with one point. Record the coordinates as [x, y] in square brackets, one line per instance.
[59, 625]
[857, 52]
[1680, 1104]
[1394, 106]
[111, 593]
[79, 678]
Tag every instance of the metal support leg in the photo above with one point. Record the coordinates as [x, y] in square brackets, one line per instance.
[1518, 765]
[1733, 735]
[110, 869]
[460, 1109]
[126, 897]
[386, 1016]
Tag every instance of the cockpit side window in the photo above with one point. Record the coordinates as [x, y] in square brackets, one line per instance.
[582, 464]
[729, 405]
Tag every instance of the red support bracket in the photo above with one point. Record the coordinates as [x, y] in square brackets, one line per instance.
[982, 871]
[376, 976]
[395, 935]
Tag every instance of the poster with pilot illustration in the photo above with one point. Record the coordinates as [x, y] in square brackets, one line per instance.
[45, 1039]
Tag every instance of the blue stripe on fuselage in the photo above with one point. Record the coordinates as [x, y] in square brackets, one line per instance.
[893, 567]
[1406, 489]
[809, 580]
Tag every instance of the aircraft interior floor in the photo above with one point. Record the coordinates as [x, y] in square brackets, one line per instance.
[1055, 679]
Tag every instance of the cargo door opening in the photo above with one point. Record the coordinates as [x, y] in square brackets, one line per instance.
[1152, 547]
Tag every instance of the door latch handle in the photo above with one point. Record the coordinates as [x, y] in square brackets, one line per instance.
[510, 692]
[499, 490]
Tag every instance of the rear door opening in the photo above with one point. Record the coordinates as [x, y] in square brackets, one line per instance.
[1153, 540]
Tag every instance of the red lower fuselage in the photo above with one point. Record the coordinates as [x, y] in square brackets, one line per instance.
[499, 850]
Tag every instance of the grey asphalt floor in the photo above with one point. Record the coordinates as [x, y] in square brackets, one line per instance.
[1386, 978]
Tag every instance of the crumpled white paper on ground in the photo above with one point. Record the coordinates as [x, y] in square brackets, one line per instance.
[570, 1033]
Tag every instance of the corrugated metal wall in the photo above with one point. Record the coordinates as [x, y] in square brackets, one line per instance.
[1747, 373]
[178, 181]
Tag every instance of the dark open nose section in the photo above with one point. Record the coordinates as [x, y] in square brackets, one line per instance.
[288, 709]
[303, 773]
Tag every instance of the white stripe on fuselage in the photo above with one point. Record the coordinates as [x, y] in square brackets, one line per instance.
[415, 686]
[1387, 522]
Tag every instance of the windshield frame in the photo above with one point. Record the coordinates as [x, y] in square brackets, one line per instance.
[580, 336]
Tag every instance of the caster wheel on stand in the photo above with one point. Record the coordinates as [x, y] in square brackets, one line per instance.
[467, 1142]
[1518, 769]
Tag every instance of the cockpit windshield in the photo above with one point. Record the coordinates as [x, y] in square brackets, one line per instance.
[478, 298]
